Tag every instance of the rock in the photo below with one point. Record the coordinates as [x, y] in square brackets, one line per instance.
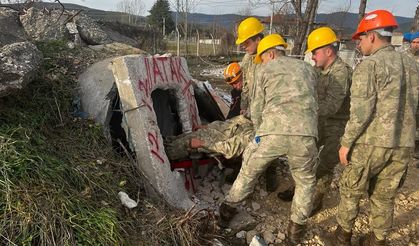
[255, 206]
[10, 28]
[263, 193]
[257, 241]
[90, 31]
[241, 234]
[43, 25]
[250, 235]
[243, 221]
[280, 236]
[19, 63]
[269, 237]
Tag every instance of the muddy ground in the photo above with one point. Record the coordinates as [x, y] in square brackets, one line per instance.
[265, 215]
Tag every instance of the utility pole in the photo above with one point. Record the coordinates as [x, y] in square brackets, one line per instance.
[272, 16]
[186, 27]
[177, 29]
[164, 27]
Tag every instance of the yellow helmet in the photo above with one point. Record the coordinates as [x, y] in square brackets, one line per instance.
[320, 37]
[248, 28]
[270, 41]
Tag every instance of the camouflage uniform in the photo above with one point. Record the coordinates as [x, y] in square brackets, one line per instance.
[380, 133]
[284, 113]
[229, 138]
[249, 71]
[333, 92]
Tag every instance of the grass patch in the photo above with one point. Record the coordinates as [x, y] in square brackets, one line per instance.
[59, 177]
[53, 189]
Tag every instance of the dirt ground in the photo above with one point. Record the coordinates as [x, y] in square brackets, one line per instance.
[265, 215]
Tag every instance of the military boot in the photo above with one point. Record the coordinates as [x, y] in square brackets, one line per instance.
[338, 238]
[227, 213]
[371, 240]
[295, 232]
[287, 195]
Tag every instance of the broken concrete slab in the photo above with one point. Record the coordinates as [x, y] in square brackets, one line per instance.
[19, 63]
[137, 77]
[95, 84]
[243, 221]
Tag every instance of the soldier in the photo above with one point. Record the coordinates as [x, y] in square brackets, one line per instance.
[284, 113]
[379, 136]
[233, 76]
[249, 34]
[413, 39]
[333, 93]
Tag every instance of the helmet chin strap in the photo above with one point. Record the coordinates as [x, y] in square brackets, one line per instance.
[383, 32]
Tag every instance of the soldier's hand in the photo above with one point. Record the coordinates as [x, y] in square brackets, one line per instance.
[343, 155]
[242, 111]
[196, 143]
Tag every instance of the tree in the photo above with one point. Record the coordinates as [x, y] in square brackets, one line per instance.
[305, 20]
[362, 7]
[133, 8]
[415, 24]
[159, 13]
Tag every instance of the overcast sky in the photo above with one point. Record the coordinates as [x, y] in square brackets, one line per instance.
[405, 8]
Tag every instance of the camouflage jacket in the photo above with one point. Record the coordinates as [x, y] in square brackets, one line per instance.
[384, 98]
[249, 70]
[333, 87]
[284, 101]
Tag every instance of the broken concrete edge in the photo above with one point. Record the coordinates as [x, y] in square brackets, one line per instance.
[136, 77]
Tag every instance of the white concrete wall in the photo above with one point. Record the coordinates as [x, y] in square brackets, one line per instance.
[136, 77]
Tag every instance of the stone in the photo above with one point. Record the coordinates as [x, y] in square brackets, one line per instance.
[255, 206]
[250, 235]
[269, 237]
[19, 63]
[90, 31]
[43, 25]
[280, 236]
[241, 234]
[10, 28]
[243, 221]
[257, 241]
[263, 193]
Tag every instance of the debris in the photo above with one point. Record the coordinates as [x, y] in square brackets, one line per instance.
[257, 241]
[241, 234]
[126, 201]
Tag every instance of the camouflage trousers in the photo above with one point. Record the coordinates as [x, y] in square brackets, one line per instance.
[229, 138]
[301, 152]
[329, 137]
[379, 172]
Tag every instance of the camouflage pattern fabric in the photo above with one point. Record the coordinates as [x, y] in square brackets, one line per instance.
[384, 99]
[249, 70]
[382, 172]
[380, 132]
[301, 152]
[284, 114]
[285, 100]
[333, 91]
[228, 137]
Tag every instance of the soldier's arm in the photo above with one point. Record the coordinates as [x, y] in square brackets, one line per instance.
[256, 106]
[363, 102]
[244, 101]
[336, 93]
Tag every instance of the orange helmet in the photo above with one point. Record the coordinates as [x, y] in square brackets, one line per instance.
[232, 73]
[374, 20]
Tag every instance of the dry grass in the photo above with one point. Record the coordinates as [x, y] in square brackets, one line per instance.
[59, 177]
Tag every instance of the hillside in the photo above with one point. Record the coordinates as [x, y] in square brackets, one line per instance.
[346, 21]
